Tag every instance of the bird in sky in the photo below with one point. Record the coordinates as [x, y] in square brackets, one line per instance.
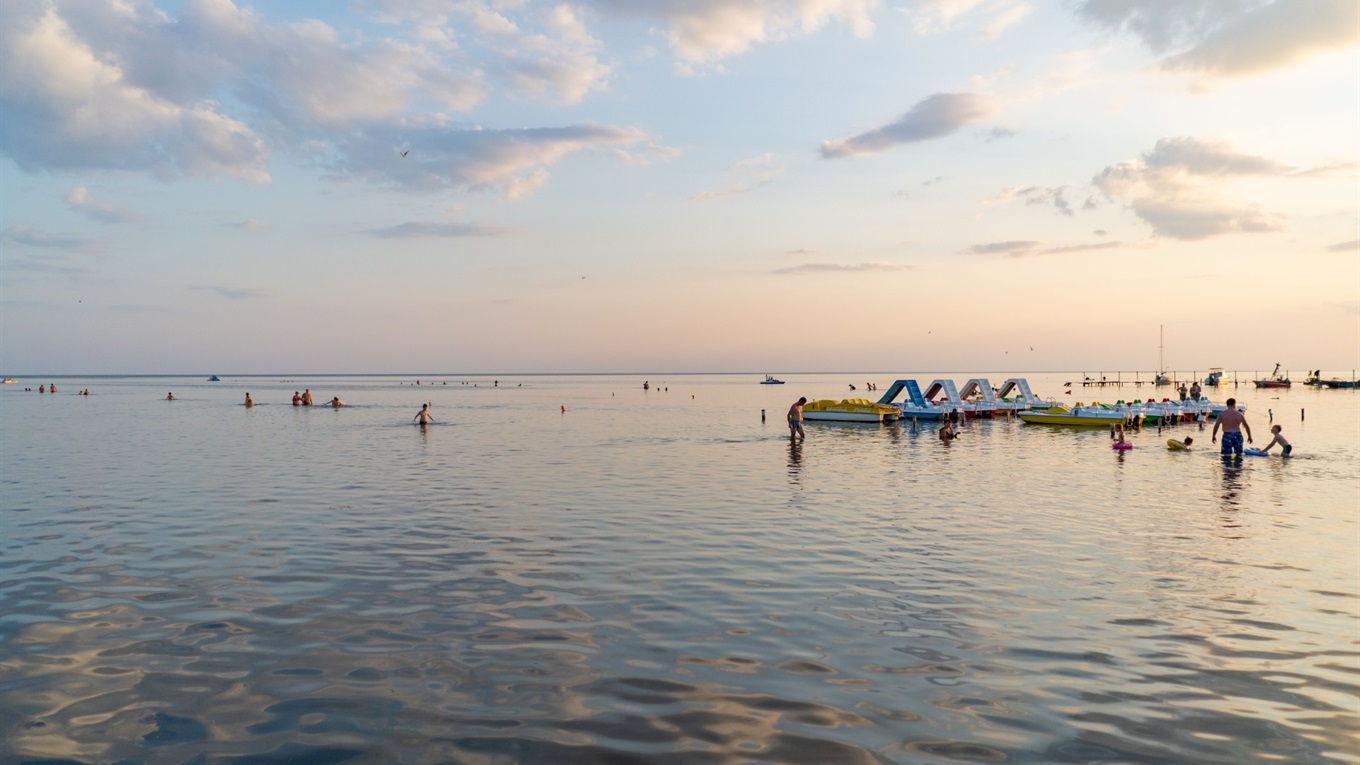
[404, 153]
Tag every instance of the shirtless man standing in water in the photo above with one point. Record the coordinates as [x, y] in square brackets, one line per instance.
[796, 418]
[1233, 423]
[423, 416]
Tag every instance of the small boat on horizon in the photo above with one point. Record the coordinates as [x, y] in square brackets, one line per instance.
[769, 380]
[1215, 376]
[1274, 381]
[214, 378]
[11, 381]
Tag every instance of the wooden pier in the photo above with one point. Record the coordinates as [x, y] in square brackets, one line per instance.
[1138, 379]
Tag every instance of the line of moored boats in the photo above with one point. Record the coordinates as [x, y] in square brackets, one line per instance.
[943, 399]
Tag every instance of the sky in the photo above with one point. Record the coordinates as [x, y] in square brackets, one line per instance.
[500, 186]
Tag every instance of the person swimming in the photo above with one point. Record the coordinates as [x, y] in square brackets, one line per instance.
[336, 402]
[423, 416]
[249, 401]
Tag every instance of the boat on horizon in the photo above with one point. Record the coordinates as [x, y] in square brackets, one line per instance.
[1274, 381]
[769, 380]
[1215, 376]
[11, 381]
[214, 378]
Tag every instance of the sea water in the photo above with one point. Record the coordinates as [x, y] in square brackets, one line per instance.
[569, 569]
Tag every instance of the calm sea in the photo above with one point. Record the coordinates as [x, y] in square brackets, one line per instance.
[662, 577]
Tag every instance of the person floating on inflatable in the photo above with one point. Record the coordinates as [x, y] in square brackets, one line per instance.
[1179, 446]
[1120, 443]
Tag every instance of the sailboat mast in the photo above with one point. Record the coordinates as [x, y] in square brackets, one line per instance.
[1161, 348]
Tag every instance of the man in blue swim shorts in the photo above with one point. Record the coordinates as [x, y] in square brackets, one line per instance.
[1233, 423]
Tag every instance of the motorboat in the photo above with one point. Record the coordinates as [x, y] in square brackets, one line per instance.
[1314, 378]
[11, 381]
[769, 380]
[1276, 380]
[1080, 416]
[214, 378]
[850, 410]
[1215, 376]
[915, 403]
[1337, 382]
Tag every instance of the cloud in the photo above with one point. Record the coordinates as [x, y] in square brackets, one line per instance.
[429, 230]
[1332, 170]
[999, 134]
[1231, 39]
[1177, 188]
[231, 293]
[746, 175]
[1351, 246]
[250, 225]
[1070, 249]
[80, 200]
[213, 91]
[65, 105]
[1035, 196]
[1179, 219]
[934, 117]
[1014, 249]
[821, 268]
[445, 157]
[803, 251]
[701, 32]
[33, 237]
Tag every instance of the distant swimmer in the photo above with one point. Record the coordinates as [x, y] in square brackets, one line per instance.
[249, 401]
[947, 432]
[297, 399]
[646, 385]
[423, 416]
[42, 388]
[52, 388]
[170, 397]
[307, 397]
[336, 402]
[1285, 448]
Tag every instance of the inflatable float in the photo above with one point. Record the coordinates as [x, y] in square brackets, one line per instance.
[1121, 447]
[1176, 446]
[1255, 452]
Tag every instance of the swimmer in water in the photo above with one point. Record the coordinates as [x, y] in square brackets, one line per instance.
[947, 432]
[1184, 444]
[1285, 448]
[170, 397]
[249, 401]
[423, 416]
[336, 402]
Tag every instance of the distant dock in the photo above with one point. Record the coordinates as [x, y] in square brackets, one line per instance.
[1137, 379]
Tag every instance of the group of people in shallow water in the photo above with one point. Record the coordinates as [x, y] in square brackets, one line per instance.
[1232, 421]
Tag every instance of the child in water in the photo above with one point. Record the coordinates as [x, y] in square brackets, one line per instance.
[1184, 444]
[1285, 448]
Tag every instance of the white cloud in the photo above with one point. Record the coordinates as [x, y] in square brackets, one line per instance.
[1034, 196]
[250, 225]
[822, 268]
[231, 293]
[704, 31]
[36, 237]
[430, 230]
[934, 117]
[80, 200]
[1012, 249]
[64, 105]
[1351, 246]
[744, 176]
[444, 157]
[1231, 37]
[1178, 187]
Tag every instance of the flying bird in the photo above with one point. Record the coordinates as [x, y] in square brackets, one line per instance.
[404, 153]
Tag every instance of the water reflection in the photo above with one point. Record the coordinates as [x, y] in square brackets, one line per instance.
[795, 463]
